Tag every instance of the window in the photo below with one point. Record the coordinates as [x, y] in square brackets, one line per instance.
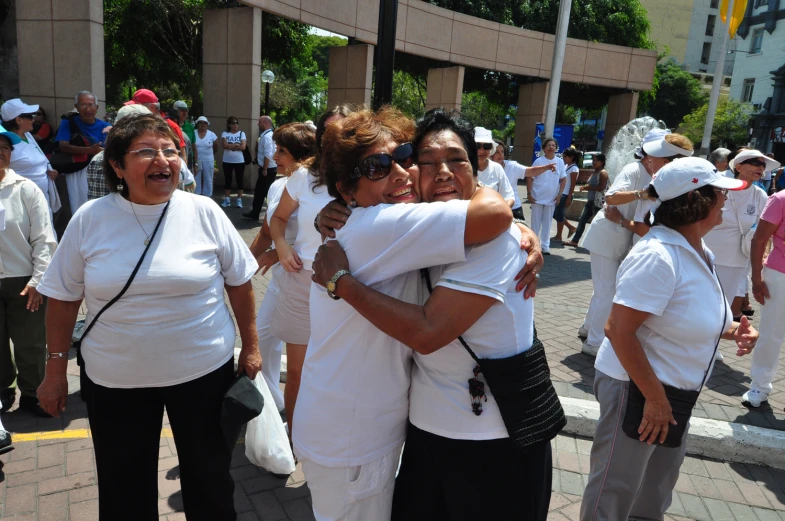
[759, 3]
[706, 52]
[710, 25]
[746, 90]
[714, 4]
[757, 41]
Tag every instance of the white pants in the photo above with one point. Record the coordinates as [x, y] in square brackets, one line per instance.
[732, 279]
[77, 188]
[541, 224]
[361, 493]
[766, 354]
[204, 178]
[603, 278]
[270, 347]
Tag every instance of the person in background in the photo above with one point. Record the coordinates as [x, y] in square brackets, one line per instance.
[720, 158]
[767, 175]
[180, 116]
[148, 98]
[515, 172]
[207, 146]
[268, 168]
[571, 158]
[544, 193]
[597, 183]
[181, 107]
[491, 174]
[42, 130]
[234, 142]
[27, 243]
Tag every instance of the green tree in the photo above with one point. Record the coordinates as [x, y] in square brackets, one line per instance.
[678, 93]
[730, 124]
[408, 94]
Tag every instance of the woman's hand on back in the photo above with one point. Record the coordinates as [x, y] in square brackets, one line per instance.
[289, 258]
[332, 217]
[528, 276]
[330, 259]
[267, 260]
[612, 214]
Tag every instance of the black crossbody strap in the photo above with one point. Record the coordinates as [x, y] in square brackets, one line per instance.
[426, 274]
[78, 343]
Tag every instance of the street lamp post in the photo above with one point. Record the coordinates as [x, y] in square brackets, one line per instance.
[267, 77]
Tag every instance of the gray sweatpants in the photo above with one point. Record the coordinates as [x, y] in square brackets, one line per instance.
[628, 479]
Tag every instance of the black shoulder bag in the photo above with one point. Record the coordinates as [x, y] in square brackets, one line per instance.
[522, 387]
[682, 403]
[68, 163]
[247, 159]
[78, 344]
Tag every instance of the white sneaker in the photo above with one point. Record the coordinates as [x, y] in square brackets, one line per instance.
[589, 349]
[718, 357]
[239, 203]
[583, 333]
[754, 398]
[227, 202]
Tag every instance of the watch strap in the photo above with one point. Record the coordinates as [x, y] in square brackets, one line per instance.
[334, 280]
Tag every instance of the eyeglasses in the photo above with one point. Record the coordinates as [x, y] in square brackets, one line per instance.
[754, 162]
[87, 105]
[379, 166]
[486, 146]
[151, 153]
[723, 191]
[234, 123]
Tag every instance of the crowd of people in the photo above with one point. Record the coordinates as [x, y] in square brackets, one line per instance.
[402, 283]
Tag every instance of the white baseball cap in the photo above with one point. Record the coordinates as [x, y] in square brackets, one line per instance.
[654, 134]
[482, 135]
[688, 174]
[661, 148]
[181, 105]
[127, 110]
[14, 108]
[202, 118]
[746, 155]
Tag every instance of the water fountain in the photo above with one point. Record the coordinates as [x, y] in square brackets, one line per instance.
[627, 139]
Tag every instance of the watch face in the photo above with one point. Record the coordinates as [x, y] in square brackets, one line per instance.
[331, 286]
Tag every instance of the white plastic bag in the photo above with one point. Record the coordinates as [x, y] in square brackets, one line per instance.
[266, 443]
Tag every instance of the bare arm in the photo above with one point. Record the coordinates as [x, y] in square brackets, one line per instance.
[487, 217]
[286, 207]
[763, 234]
[242, 302]
[529, 196]
[263, 240]
[60, 320]
[534, 171]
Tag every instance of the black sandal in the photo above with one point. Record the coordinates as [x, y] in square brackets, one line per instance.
[748, 312]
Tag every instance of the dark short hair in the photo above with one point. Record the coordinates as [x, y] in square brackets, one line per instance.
[298, 138]
[573, 154]
[439, 120]
[548, 140]
[228, 122]
[124, 133]
[11, 125]
[345, 142]
[685, 209]
[599, 157]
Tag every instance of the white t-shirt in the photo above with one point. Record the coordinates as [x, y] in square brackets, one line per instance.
[545, 187]
[353, 401]
[494, 177]
[172, 325]
[234, 156]
[608, 239]
[515, 171]
[273, 198]
[663, 275]
[439, 400]
[311, 200]
[186, 177]
[724, 240]
[28, 161]
[568, 170]
[204, 146]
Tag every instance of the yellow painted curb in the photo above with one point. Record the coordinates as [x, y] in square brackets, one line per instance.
[73, 434]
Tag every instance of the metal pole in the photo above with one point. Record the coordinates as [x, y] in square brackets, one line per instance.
[385, 52]
[266, 99]
[715, 87]
[556, 65]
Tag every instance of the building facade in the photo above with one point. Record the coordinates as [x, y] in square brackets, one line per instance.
[705, 38]
[670, 25]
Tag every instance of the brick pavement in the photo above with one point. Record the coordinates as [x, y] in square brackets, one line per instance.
[54, 479]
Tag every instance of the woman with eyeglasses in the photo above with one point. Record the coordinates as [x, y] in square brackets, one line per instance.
[353, 404]
[167, 342]
[234, 142]
[544, 193]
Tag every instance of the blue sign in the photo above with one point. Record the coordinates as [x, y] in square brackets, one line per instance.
[600, 135]
[562, 134]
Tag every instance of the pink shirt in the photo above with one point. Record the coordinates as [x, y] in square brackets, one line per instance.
[774, 212]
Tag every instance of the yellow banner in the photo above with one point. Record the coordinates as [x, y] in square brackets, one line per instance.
[739, 7]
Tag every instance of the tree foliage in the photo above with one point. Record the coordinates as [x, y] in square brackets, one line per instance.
[730, 124]
[678, 94]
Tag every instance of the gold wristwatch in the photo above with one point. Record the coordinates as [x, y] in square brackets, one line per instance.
[333, 281]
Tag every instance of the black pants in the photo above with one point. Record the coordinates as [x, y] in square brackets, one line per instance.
[239, 172]
[442, 479]
[27, 331]
[126, 427]
[263, 183]
[589, 211]
[518, 213]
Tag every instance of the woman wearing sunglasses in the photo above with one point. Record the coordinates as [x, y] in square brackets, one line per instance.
[351, 414]
[456, 437]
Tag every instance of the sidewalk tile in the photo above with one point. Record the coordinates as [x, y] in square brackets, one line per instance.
[85, 510]
[19, 500]
[267, 506]
[753, 495]
[288, 493]
[83, 494]
[742, 512]
[299, 510]
[718, 510]
[51, 455]
[24, 465]
[262, 483]
[694, 507]
[50, 486]
[705, 487]
[767, 515]
[23, 478]
[79, 461]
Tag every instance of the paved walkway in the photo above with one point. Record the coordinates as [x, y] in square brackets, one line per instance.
[51, 474]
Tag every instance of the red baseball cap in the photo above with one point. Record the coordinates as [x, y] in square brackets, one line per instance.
[145, 96]
[129, 102]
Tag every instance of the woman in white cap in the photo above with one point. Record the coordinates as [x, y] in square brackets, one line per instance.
[609, 240]
[491, 174]
[668, 317]
[730, 241]
[545, 193]
[206, 148]
[28, 160]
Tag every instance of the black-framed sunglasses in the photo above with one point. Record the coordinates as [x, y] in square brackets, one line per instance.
[26, 116]
[379, 166]
[486, 146]
[754, 162]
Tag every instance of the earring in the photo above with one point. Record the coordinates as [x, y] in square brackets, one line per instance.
[120, 187]
[353, 204]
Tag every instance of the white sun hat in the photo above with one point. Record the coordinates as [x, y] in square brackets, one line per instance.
[482, 135]
[202, 118]
[652, 135]
[661, 148]
[746, 155]
[690, 173]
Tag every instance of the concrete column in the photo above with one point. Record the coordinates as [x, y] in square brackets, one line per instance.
[445, 88]
[232, 69]
[61, 51]
[532, 98]
[349, 81]
[622, 108]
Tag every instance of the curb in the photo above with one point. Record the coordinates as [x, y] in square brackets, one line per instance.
[720, 440]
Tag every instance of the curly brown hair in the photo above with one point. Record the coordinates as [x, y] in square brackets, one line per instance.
[123, 133]
[299, 139]
[348, 140]
[685, 209]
